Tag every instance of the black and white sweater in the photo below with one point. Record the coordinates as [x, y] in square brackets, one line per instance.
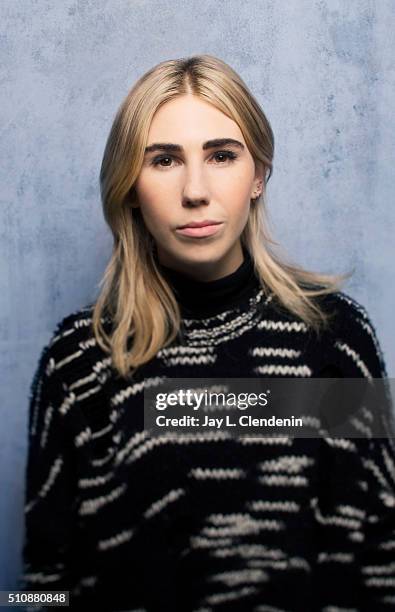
[126, 521]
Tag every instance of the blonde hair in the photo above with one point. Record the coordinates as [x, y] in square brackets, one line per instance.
[135, 296]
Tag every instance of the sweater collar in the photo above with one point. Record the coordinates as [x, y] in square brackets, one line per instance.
[199, 299]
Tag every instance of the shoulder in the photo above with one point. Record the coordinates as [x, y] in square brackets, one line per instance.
[348, 317]
[352, 337]
[72, 350]
[70, 331]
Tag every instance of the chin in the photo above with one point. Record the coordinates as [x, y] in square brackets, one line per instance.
[201, 253]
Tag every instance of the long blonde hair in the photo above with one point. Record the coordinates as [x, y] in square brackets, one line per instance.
[135, 296]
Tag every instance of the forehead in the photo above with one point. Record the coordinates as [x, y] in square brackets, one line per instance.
[189, 118]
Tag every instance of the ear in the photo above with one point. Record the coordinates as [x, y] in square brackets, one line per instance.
[259, 180]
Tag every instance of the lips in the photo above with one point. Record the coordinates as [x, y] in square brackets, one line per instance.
[200, 230]
[200, 223]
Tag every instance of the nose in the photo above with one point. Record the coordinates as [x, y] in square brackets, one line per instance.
[195, 191]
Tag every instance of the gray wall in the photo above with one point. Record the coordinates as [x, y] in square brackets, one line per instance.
[322, 71]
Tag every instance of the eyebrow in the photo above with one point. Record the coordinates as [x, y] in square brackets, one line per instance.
[209, 144]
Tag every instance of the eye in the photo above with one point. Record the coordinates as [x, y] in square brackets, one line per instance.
[227, 155]
[157, 160]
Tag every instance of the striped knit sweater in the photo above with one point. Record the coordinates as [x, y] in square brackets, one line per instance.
[126, 521]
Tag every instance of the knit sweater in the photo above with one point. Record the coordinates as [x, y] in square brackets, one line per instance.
[208, 522]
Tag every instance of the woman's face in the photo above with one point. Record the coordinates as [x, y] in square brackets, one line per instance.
[188, 179]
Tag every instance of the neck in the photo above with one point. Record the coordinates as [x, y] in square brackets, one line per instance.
[199, 298]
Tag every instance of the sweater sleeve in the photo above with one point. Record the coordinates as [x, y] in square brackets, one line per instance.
[359, 351]
[50, 484]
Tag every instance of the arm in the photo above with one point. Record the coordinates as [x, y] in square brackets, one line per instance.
[50, 484]
[378, 555]
[359, 345]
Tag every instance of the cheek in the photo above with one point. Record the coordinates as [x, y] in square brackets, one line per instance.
[238, 206]
[235, 193]
[243, 216]
[151, 205]
[154, 216]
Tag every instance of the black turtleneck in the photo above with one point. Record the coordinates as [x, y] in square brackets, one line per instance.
[200, 299]
[104, 501]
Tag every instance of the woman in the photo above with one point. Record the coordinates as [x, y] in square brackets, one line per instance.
[126, 521]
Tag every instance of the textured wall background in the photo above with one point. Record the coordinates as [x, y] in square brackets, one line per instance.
[323, 72]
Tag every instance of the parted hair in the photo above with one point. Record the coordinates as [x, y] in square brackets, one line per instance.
[140, 303]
